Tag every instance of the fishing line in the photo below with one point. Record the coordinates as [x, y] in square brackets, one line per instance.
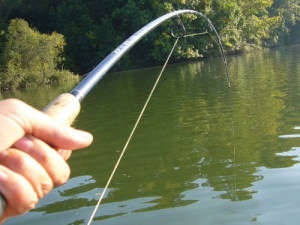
[222, 51]
[195, 34]
[66, 106]
[131, 134]
[180, 26]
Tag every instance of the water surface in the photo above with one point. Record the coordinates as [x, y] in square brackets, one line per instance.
[203, 154]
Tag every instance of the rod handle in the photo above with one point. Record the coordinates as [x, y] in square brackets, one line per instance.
[64, 109]
[2, 204]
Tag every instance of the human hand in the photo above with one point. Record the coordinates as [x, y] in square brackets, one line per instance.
[30, 162]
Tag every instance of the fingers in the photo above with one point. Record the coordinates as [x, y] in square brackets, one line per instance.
[36, 162]
[53, 163]
[30, 169]
[18, 192]
[66, 154]
[21, 119]
[29, 173]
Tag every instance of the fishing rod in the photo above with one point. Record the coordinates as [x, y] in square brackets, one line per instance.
[66, 107]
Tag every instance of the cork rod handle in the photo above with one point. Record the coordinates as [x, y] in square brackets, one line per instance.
[64, 108]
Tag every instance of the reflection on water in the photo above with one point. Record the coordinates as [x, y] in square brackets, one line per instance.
[202, 153]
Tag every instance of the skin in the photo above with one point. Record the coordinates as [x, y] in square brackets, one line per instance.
[33, 153]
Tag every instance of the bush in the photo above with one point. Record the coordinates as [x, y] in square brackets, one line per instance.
[31, 58]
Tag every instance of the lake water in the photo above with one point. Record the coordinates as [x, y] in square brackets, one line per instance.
[203, 154]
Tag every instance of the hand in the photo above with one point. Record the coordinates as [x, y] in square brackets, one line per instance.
[30, 162]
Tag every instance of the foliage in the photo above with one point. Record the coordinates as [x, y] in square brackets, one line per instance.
[93, 28]
[31, 58]
[289, 12]
[248, 22]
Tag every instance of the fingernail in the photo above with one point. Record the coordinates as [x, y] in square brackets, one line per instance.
[82, 136]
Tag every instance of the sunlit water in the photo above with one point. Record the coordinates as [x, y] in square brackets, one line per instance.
[203, 154]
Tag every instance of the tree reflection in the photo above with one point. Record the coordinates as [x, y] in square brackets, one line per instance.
[197, 128]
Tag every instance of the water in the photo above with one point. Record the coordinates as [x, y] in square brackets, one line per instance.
[203, 154]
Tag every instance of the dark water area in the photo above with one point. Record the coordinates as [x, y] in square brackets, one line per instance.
[203, 153]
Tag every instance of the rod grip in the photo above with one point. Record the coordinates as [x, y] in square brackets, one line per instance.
[2, 204]
[64, 109]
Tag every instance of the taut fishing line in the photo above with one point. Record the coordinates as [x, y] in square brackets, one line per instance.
[132, 133]
[81, 90]
[66, 106]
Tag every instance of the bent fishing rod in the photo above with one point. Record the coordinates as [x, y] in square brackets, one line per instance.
[66, 107]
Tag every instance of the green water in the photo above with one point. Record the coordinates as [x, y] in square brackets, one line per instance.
[203, 154]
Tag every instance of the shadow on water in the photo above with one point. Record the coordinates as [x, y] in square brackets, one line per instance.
[201, 150]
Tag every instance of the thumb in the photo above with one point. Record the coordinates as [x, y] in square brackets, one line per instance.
[18, 119]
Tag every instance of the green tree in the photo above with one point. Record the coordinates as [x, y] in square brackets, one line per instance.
[31, 58]
[245, 22]
[289, 12]
[93, 28]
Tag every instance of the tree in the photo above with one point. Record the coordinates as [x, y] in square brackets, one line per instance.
[31, 58]
[93, 28]
[289, 12]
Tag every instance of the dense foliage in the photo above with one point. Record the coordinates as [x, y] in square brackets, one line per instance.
[31, 58]
[92, 28]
